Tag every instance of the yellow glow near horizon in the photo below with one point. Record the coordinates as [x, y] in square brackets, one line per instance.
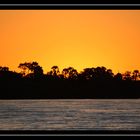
[78, 38]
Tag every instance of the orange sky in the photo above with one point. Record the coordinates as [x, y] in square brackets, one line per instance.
[78, 38]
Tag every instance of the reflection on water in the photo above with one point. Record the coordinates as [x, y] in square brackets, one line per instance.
[70, 114]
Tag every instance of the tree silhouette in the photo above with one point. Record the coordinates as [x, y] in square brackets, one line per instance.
[100, 73]
[135, 75]
[118, 76]
[31, 68]
[4, 69]
[87, 74]
[109, 74]
[96, 73]
[98, 82]
[127, 75]
[55, 71]
[70, 73]
[25, 68]
[4, 72]
[65, 73]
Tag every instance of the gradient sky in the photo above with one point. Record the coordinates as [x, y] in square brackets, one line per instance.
[78, 38]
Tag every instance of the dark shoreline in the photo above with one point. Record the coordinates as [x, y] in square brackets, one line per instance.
[91, 83]
[62, 132]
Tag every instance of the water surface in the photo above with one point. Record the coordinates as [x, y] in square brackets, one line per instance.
[93, 114]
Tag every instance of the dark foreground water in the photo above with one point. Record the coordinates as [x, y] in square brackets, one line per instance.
[70, 114]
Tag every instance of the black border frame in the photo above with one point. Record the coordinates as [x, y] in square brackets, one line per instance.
[69, 7]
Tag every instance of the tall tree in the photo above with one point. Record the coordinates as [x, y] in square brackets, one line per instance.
[87, 74]
[135, 74]
[70, 73]
[55, 71]
[127, 75]
[31, 67]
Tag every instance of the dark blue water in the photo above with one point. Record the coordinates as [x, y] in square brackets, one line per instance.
[70, 114]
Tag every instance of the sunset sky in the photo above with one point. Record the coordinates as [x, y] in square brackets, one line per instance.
[78, 38]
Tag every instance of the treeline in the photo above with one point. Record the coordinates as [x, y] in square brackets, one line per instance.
[99, 82]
